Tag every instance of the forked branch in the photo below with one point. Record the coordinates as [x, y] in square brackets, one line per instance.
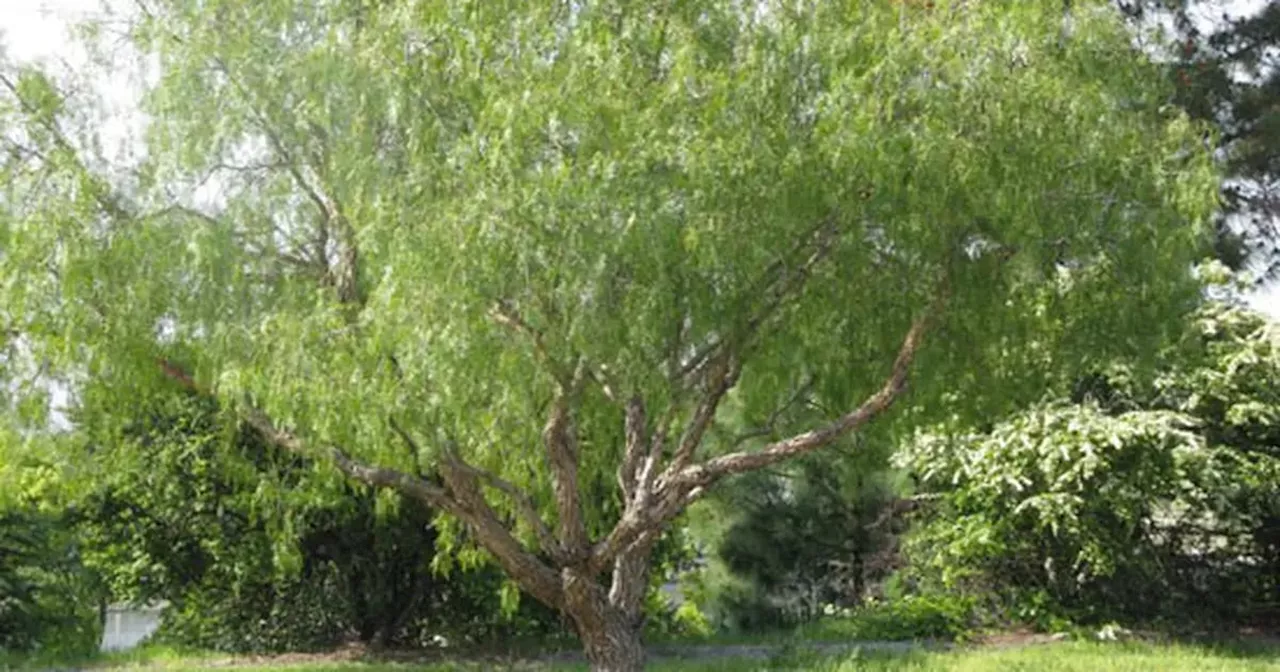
[677, 489]
[523, 503]
[738, 462]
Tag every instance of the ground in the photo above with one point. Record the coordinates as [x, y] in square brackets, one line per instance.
[1010, 652]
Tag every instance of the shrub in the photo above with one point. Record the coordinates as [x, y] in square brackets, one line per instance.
[911, 617]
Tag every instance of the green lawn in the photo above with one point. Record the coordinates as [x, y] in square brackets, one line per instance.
[1062, 657]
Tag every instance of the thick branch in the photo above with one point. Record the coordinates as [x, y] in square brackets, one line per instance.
[561, 442]
[724, 366]
[672, 493]
[720, 380]
[462, 498]
[525, 507]
[379, 477]
[467, 503]
[739, 462]
[720, 359]
[635, 447]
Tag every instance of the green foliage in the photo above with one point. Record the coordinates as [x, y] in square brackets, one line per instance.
[47, 601]
[614, 172]
[911, 617]
[1160, 503]
[176, 518]
[790, 185]
[786, 546]
[39, 604]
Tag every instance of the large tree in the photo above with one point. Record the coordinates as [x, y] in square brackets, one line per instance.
[489, 253]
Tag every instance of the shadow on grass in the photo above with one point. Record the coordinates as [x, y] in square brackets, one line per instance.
[1248, 648]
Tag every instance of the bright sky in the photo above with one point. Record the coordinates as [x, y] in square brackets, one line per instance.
[37, 29]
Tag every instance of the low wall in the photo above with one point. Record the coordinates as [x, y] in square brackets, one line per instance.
[127, 626]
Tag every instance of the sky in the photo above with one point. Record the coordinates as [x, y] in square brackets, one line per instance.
[38, 30]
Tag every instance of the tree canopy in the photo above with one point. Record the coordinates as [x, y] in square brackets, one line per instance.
[501, 255]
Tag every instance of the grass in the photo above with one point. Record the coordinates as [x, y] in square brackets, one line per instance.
[1060, 657]
[156, 656]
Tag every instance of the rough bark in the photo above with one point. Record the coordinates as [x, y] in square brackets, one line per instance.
[614, 645]
[610, 636]
[561, 444]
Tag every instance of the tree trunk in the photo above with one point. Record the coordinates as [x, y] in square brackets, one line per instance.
[610, 636]
[612, 643]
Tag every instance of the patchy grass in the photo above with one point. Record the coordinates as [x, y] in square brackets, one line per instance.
[147, 656]
[1058, 657]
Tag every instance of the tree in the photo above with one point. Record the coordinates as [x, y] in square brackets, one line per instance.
[786, 545]
[1223, 66]
[489, 255]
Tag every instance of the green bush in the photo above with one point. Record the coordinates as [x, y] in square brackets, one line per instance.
[48, 603]
[1133, 501]
[912, 617]
[256, 550]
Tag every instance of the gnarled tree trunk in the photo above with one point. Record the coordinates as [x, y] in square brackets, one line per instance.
[612, 642]
[610, 633]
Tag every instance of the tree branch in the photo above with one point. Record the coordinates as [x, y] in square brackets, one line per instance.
[467, 503]
[345, 278]
[286, 157]
[675, 491]
[635, 447]
[525, 507]
[779, 285]
[462, 497]
[101, 192]
[771, 424]
[380, 477]
[505, 314]
[561, 442]
[735, 463]
[720, 380]
[723, 368]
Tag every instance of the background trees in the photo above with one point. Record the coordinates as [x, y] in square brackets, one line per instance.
[48, 601]
[1222, 62]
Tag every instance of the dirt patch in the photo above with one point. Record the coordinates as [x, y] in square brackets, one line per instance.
[1017, 638]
